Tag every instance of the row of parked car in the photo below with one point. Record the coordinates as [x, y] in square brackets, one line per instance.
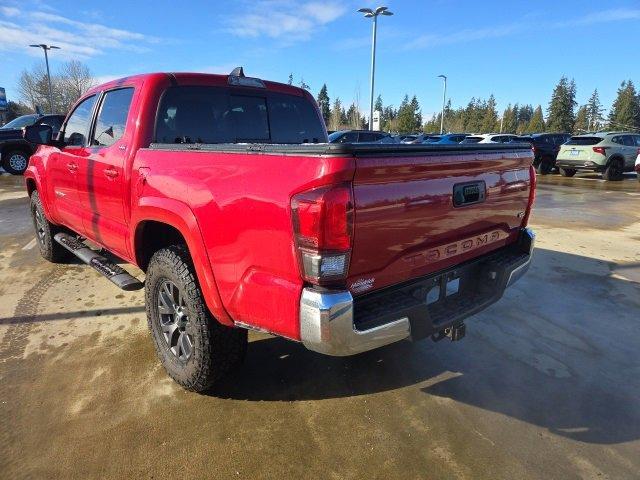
[608, 153]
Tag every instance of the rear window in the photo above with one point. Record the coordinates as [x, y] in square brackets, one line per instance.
[222, 115]
[584, 141]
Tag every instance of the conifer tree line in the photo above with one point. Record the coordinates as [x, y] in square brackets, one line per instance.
[562, 114]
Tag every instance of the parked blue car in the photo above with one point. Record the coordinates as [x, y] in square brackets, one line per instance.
[447, 139]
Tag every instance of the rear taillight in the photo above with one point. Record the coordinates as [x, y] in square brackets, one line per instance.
[532, 195]
[600, 150]
[323, 232]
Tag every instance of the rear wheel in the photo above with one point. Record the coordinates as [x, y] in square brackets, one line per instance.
[614, 171]
[45, 230]
[567, 172]
[15, 162]
[544, 167]
[193, 347]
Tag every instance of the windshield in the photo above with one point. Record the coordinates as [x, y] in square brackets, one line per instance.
[335, 135]
[584, 141]
[23, 121]
[472, 140]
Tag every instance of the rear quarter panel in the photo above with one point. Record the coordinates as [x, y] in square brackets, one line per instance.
[241, 202]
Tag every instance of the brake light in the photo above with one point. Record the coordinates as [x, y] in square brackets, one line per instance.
[600, 150]
[532, 195]
[323, 232]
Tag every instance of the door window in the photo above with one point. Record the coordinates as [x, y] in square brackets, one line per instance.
[77, 128]
[367, 137]
[112, 117]
[627, 140]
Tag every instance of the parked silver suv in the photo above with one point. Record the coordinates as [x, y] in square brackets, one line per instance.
[611, 153]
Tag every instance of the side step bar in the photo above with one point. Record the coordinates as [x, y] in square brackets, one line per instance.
[115, 273]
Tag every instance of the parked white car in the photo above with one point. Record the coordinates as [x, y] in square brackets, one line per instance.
[637, 167]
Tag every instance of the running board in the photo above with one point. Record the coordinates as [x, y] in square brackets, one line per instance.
[114, 273]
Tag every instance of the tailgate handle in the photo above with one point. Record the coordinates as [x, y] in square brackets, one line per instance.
[469, 193]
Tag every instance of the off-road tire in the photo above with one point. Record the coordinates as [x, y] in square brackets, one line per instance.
[216, 348]
[15, 169]
[567, 172]
[614, 171]
[45, 230]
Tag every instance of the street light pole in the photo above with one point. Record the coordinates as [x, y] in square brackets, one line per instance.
[444, 99]
[368, 13]
[46, 59]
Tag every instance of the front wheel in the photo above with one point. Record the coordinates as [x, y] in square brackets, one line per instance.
[45, 230]
[193, 347]
[15, 162]
[567, 172]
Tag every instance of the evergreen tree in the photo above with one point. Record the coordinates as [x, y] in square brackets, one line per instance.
[490, 116]
[389, 115]
[581, 125]
[338, 117]
[561, 116]
[353, 117]
[407, 116]
[524, 117]
[379, 107]
[536, 124]
[510, 119]
[324, 104]
[304, 85]
[594, 111]
[290, 81]
[625, 111]
[417, 114]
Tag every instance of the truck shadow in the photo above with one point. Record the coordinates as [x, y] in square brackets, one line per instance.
[559, 351]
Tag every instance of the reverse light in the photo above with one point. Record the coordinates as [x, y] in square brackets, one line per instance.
[600, 150]
[323, 232]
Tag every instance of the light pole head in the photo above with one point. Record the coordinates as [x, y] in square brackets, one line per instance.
[368, 13]
[444, 77]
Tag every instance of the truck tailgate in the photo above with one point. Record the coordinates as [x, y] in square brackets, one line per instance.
[406, 224]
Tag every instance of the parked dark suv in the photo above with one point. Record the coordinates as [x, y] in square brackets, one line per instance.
[545, 148]
[15, 150]
[360, 136]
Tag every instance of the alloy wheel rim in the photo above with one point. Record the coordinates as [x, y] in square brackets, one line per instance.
[174, 321]
[18, 162]
[39, 226]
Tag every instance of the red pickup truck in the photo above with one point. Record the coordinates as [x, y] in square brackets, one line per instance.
[225, 192]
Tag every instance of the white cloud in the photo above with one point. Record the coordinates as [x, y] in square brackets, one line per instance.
[9, 11]
[284, 19]
[77, 40]
[471, 35]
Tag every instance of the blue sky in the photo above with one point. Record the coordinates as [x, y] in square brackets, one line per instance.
[515, 50]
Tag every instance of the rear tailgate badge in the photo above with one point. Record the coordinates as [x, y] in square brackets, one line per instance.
[362, 285]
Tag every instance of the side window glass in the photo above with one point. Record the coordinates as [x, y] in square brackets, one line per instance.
[77, 127]
[628, 141]
[54, 122]
[637, 141]
[367, 137]
[112, 117]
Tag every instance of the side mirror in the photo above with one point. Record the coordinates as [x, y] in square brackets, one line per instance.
[38, 134]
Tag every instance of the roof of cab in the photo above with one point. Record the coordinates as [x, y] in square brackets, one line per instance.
[195, 79]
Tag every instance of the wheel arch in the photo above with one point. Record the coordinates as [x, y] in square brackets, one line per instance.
[156, 223]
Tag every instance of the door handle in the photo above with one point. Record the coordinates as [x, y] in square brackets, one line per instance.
[111, 172]
[72, 166]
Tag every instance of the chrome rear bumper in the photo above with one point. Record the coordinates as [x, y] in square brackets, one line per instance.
[326, 325]
[327, 317]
